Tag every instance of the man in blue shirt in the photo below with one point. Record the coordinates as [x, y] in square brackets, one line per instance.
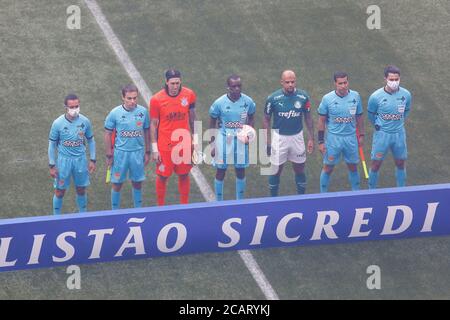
[68, 135]
[340, 113]
[130, 153]
[388, 108]
[231, 112]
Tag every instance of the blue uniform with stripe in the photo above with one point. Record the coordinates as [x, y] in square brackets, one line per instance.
[387, 112]
[129, 142]
[341, 137]
[70, 139]
[232, 116]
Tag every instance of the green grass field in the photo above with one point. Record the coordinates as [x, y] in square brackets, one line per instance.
[42, 60]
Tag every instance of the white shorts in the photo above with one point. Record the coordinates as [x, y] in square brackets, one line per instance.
[285, 148]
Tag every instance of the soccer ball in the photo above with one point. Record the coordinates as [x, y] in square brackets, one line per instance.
[247, 134]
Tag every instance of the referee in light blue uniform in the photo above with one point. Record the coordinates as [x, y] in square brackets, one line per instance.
[388, 108]
[341, 113]
[68, 136]
[231, 111]
[131, 150]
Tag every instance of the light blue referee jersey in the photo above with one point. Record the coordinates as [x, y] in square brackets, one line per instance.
[70, 135]
[232, 115]
[341, 112]
[129, 127]
[389, 110]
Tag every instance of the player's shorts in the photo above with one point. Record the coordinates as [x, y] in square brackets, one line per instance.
[128, 162]
[230, 151]
[337, 145]
[285, 148]
[173, 163]
[71, 167]
[384, 141]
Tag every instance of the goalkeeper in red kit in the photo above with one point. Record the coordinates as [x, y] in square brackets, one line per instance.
[172, 116]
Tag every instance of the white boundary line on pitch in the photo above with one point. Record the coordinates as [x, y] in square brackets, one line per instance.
[199, 178]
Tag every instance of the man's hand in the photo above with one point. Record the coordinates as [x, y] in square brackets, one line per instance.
[361, 141]
[156, 157]
[109, 160]
[54, 172]
[322, 148]
[146, 158]
[91, 167]
[310, 148]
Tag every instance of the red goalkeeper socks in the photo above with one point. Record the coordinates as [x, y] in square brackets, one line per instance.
[184, 184]
[161, 186]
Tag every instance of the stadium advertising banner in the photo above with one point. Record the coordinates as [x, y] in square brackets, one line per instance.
[229, 225]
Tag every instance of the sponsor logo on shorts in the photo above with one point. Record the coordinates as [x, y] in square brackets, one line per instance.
[131, 133]
[117, 175]
[330, 158]
[72, 144]
[379, 155]
[61, 182]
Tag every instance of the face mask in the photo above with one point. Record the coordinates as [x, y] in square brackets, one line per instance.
[74, 112]
[393, 85]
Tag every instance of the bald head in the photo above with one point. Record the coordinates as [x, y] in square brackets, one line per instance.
[288, 81]
[287, 73]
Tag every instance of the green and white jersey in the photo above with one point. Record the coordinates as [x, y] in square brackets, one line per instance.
[287, 110]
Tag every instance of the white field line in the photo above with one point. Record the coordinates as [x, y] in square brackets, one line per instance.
[199, 178]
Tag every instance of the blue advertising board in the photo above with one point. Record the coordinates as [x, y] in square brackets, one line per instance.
[221, 226]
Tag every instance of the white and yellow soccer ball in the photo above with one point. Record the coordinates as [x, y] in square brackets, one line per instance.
[247, 134]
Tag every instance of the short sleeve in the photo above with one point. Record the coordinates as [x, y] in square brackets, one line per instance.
[214, 110]
[110, 121]
[268, 107]
[252, 107]
[372, 104]
[359, 109]
[323, 107]
[192, 100]
[146, 120]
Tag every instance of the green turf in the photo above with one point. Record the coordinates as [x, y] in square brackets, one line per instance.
[207, 41]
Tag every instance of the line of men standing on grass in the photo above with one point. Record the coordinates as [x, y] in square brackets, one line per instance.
[135, 135]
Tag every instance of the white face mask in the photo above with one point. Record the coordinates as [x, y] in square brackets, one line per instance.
[74, 112]
[393, 85]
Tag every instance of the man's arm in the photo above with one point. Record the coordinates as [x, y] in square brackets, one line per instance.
[192, 118]
[310, 129]
[51, 158]
[360, 128]
[108, 147]
[251, 120]
[154, 123]
[92, 155]
[372, 109]
[266, 127]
